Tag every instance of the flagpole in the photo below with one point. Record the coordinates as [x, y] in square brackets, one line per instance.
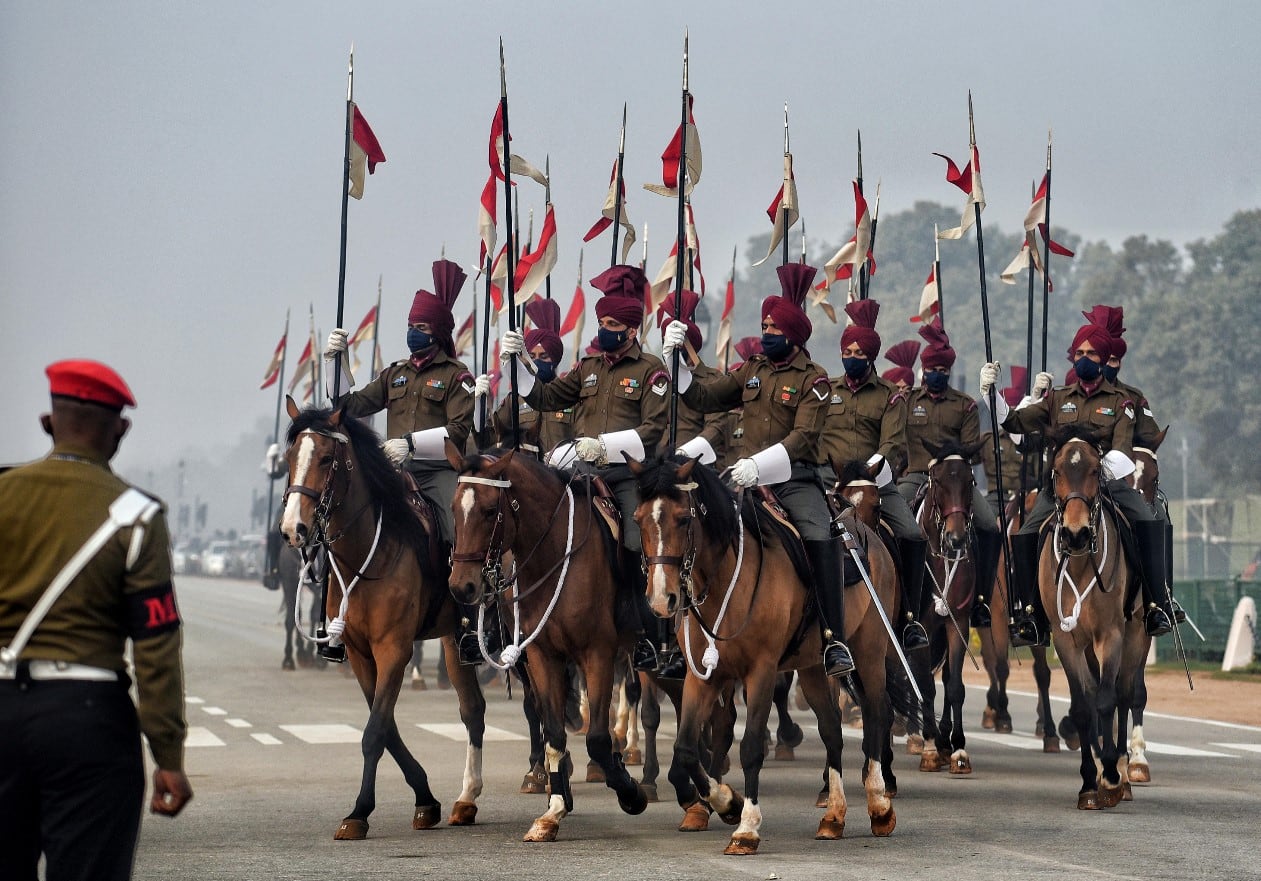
[783, 209]
[269, 562]
[680, 248]
[617, 187]
[726, 355]
[510, 254]
[862, 267]
[376, 330]
[547, 205]
[341, 271]
[941, 304]
[1033, 192]
[871, 243]
[1046, 251]
[487, 308]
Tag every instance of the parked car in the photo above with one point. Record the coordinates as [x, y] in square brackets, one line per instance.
[185, 559]
[216, 558]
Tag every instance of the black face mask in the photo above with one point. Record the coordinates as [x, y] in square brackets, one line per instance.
[1087, 370]
[1110, 373]
[775, 346]
[856, 368]
[936, 382]
[546, 370]
[418, 340]
[611, 340]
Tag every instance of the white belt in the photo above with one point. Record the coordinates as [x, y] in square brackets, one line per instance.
[45, 670]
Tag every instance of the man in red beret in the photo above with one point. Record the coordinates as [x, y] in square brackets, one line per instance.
[1091, 402]
[86, 567]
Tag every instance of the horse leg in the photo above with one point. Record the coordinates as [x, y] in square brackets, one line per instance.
[695, 791]
[597, 668]
[759, 689]
[1042, 677]
[930, 758]
[818, 693]
[722, 726]
[650, 716]
[291, 595]
[1082, 713]
[535, 780]
[1105, 720]
[473, 714]
[549, 694]
[1138, 768]
[955, 692]
[788, 734]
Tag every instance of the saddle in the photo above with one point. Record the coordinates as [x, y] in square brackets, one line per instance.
[770, 503]
[434, 561]
[606, 503]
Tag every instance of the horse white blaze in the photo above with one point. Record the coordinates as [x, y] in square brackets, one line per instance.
[1138, 471]
[467, 500]
[292, 516]
[855, 498]
[1075, 459]
[750, 820]
[658, 571]
[472, 774]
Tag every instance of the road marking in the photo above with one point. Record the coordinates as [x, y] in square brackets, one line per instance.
[1169, 749]
[201, 737]
[193, 700]
[238, 723]
[455, 731]
[214, 711]
[334, 733]
[1246, 747]
[266, 739]
[1154, 715]
[1019, 740]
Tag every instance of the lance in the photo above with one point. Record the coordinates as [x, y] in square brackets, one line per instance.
[726, 352]
[1046, 251]
[341, 271]
[617, 187]
[643, 254]
[376, 329]
[270, 561]
[547, 204]
[803, 242]
[510, 253]
[528, 247]
[989, 358]
[862, 270]
[783, 209]
[680, 248]
[941, 304]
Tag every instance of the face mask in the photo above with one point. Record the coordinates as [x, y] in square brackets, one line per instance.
[775, 346]
[856, 368]
[1087, 370]
[936, 382]
[1110, 373]
[612, 340]
[418, 340]
[546, 370]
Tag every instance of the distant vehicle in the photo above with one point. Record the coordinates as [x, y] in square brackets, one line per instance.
[185, 560]
[215, 560]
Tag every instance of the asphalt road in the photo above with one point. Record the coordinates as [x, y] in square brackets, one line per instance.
[275, 764]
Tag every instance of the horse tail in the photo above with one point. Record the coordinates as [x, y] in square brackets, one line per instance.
[902, 700]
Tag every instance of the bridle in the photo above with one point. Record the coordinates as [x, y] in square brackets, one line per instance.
[1093, 505]
[687, 560]
[942, 515]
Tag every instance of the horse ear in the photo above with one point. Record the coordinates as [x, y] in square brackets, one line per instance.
[498, 466]
[685, 470]
[1159, 439]
[453, 455]
[335, 420]
[873, 470]
[933, 449]
[291, 407]
[636, 467]
[972, 449]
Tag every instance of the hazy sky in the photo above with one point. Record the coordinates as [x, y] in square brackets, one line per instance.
[173, 178]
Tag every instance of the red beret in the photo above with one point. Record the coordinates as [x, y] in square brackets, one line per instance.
[89, 381]
[786, 310]
[863, 329]
[666, 313]
[1098, 337]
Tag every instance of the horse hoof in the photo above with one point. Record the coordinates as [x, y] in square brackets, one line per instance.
[1068, 731]
[987, 718]
[891, 789]
[830, 829]
[792, 735]
[1140, 773]
[695, 818]
[595, 774]
[931, 760]
[633, 756]
[1002, 724]
[534, 782]
[351, 830]
[882, 825]
[288, 664]
[650, 792]
[1127, 791]
[463, 813]
[1088, 801]
[426, 817]
[1051, 744]
[821, 801]
[914, 744]
[634, 802]
[742, 846]
[784, 753]
[419, 684]
[543, 829]
[1110, 796]
[960, 763]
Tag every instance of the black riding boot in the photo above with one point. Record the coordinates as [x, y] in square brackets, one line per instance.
[466, 634]
[1029, 623]
[1151, 559]
[911, 553]
[829, 587]
[988, 546]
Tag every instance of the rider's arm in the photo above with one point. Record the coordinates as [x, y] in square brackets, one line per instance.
[893, 430]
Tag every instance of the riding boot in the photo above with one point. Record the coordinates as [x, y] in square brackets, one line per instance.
[826, 562]
[645, 654]
[1029, 623]
[1179, 615]
[911, 553]
[466, 634]
[988, 546]
[1150, 535]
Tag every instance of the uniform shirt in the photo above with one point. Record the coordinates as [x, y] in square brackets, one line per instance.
[1145, 426]
[439, 393]
[864, 420]
[692, 423]
[1012, 458]
[1105, 410]
[950, 416]
[611, 393]
[48, 511]
[543, 430]
[783, 404]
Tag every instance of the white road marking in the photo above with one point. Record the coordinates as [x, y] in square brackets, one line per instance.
[201, 737]
[1245, 747]
[214, 711]
[238, 723]
[455, 731]
[1154, 715]
[193, 700]
[1170, 749]
[328, 733]
[266, 739]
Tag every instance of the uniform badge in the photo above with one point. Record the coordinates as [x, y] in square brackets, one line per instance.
[629, 385]
[1108, 411]
[591, 380]
[919, 410]
[398, 380]
[468, 388]
[837, 399]
[739, 432]
[435, 383]
[1069, 407]
[660, 389]
[786, 393]
[1129, 413]
[821, 394]
[755, 382]
[523, 407]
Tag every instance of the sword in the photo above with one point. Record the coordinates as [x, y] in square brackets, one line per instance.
[851, 545]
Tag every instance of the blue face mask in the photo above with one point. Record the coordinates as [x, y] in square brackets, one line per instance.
[856, 368]
[546, 370]
[611, 340]
[418, 340]
[1110, 373]
[775, 346]
[1087, 370]
[936, 382]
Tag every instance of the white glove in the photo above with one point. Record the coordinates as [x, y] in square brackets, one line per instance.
[1042, 384]
[884, 476]
[744, 472]
[271, 461]
[513, 343]
[481, 386]
[675, 337]
[336, 344]
[989, 377]
[396, 450]
[589, 449]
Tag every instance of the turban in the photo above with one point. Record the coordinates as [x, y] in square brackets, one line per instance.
[785, 310]
[434, 309]
[938, 352]
[666, 313]
[1111, 318]
[546, 317]
[624, 290]
[1098, 337]
[903, 355]
[862, 330]
[89, 381]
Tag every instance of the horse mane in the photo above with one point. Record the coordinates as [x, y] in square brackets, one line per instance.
[384, 483]
[1062, 434]
[659, 479]
[951, 447]
[851, 471]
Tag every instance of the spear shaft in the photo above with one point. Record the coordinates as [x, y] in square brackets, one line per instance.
[680, 249]
[341, 271]
[941, 304]
[510, 254]
[617, 187]
[547, 199]
[1046, 252]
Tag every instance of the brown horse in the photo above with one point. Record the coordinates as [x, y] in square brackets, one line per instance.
[386, 592]
[731, 568]
[566, 589]
[946, 518]
[1085, 585]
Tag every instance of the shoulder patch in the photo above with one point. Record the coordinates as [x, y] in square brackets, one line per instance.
[822, 380]
[464, 377]
[659, 376]
[897, 397]
[971, 406]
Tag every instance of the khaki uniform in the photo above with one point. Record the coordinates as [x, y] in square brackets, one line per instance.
[542, 431]
[1012, 459]
[693, 423]
[1146, 428]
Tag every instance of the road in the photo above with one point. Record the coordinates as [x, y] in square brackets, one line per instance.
[274, 761]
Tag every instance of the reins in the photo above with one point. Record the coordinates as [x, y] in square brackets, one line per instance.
[1098, 558]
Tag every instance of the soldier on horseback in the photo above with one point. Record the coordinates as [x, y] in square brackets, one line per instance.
[938, 414]
[1095, 404]
[866, 419]
[784, 397]
[698, 434]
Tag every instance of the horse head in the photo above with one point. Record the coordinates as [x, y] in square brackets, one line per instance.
[318, 451]
[950, 490]
[1146, 475]
[668, 516]
[856, 483]
[485, 522]
[1076, 478]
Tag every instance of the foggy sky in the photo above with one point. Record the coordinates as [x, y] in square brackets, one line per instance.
[172, 184]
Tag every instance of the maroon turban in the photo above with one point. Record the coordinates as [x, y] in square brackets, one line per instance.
[1099, 338]
[904, 375]
[785, 310]
[903, 355]
[625, 293]
[434, 309]
[938, 352]
[1113, 319]
[666, 313]
[863, 330]
[546, 317]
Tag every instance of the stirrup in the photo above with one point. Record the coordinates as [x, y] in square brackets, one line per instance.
[670, 665]
[1024, 631]
[1157, 622]
[1179, 614]
[333, 653]
[644, 655]
[981, 615]
[914, 636]
[470, 653]
[837, 661]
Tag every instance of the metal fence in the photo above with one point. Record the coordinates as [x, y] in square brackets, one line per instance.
[1211, 605]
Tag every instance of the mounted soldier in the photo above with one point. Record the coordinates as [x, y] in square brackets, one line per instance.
[699, 435]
